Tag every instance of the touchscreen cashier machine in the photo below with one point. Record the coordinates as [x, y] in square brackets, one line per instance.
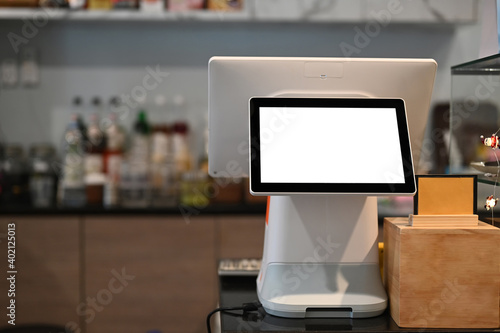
[322, 137]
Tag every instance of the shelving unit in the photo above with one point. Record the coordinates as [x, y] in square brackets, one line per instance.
[119, 15]
[380, 12]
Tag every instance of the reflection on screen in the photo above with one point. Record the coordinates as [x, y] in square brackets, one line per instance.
[330, 145]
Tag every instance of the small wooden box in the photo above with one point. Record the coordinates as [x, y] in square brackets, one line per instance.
[442, 277]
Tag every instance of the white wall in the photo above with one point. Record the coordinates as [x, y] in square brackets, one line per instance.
[106, 58]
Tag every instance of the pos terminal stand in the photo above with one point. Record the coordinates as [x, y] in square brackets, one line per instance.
[320, 250]
[321, 257]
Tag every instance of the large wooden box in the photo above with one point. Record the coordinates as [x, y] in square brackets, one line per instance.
[442, 277]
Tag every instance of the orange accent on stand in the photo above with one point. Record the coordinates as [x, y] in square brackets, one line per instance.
[267, 210]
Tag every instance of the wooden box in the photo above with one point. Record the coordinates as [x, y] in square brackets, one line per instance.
[442, 277]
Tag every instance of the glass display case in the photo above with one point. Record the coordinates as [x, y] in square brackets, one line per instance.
[474, 123]
[475, 117]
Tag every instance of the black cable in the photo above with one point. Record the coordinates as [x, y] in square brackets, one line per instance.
[246, 307]
[222, 309]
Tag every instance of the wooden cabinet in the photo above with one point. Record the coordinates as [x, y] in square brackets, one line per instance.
[47, 282]
[240, 236]
[116, 273]
[167, 269]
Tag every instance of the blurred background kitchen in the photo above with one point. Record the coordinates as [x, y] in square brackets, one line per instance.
[95, 80]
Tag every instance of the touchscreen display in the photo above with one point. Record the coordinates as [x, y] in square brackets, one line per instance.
[330, 145]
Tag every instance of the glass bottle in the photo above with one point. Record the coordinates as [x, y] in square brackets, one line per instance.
[94, 162]
[162, 168]
[2, 156]
[72, 181]
[94, 147]
[113, 158]
[135, 190]
[77, 110]
[181, 151]
[43, 179]
[15, 189]
[193, 189]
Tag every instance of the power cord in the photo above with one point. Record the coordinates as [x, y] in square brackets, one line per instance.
[246, 307]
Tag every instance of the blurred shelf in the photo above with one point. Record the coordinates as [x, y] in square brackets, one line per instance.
[484, 66]
[488, 180]
[377, 14]
[119, 15]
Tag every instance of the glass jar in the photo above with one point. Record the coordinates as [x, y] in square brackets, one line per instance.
[195, 189]
[15, 188]
[43, 179]
[135, 189]
[1, 169]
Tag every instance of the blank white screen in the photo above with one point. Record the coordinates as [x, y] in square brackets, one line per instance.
[330, 145]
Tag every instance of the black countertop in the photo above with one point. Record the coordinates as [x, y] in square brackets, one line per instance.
[235, 291]
[384, 210]
[228, 209]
